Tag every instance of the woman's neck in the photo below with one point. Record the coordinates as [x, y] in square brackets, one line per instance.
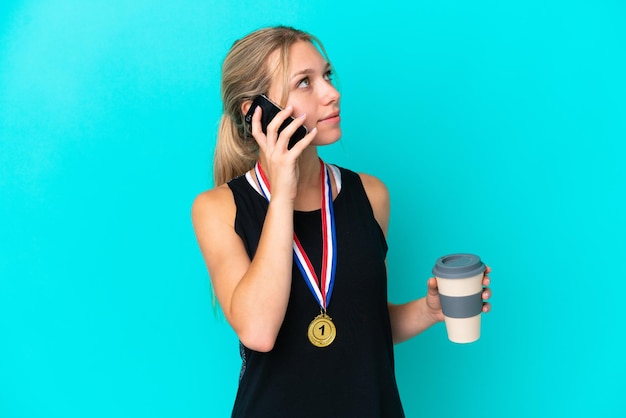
[309, 181]
[309, 168]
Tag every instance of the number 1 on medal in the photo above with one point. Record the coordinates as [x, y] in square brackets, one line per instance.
[317, 331]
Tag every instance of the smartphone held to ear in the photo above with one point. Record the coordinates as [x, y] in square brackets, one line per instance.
[268, 111]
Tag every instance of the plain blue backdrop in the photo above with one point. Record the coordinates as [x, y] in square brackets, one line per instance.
[499, 128]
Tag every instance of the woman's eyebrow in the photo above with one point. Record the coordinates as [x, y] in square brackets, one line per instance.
[307, 71]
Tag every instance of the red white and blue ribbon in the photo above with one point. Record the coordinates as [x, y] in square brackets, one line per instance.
[321, 288]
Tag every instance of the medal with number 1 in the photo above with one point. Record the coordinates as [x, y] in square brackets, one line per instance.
[322, 330]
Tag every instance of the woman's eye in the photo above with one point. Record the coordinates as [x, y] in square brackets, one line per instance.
[304, 82]
[328, 76]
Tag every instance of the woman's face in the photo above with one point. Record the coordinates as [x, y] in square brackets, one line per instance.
[310, 91]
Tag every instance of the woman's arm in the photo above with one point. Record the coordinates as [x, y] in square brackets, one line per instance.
[252, 293]
[414, 317]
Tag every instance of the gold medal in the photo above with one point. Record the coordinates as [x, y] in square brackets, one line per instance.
[322, 331]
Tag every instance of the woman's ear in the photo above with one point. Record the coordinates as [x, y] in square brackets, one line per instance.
[245, 106]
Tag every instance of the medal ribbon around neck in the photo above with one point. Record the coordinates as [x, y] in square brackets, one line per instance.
[322, 291]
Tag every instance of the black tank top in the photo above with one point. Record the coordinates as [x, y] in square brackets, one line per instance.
[354, 376]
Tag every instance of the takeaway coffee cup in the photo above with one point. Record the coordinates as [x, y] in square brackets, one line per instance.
[460, 281]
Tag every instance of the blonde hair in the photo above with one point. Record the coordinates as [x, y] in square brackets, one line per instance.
[246, 73]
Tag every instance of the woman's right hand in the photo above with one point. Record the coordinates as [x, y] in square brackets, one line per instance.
[279, 163]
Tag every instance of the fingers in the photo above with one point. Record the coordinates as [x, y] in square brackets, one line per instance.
[289, 130]
[487, 291]
[257, 131]
[486, 278]
[272, 138]
[305, 141]
[281, 139]
[269, 138]
[432, 285]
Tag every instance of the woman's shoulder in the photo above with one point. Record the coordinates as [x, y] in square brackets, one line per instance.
[213, 204]
[373, 183]
[378, 196]
[376, 192]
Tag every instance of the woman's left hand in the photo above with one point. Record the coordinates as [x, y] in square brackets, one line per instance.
[434, 304]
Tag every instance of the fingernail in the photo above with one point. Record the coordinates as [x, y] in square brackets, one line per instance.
[302, 116]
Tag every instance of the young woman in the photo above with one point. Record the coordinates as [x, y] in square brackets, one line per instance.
[296, 248]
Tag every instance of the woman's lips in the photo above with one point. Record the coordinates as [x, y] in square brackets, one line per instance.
[331, 118]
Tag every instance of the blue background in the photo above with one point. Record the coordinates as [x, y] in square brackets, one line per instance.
[498, 127]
